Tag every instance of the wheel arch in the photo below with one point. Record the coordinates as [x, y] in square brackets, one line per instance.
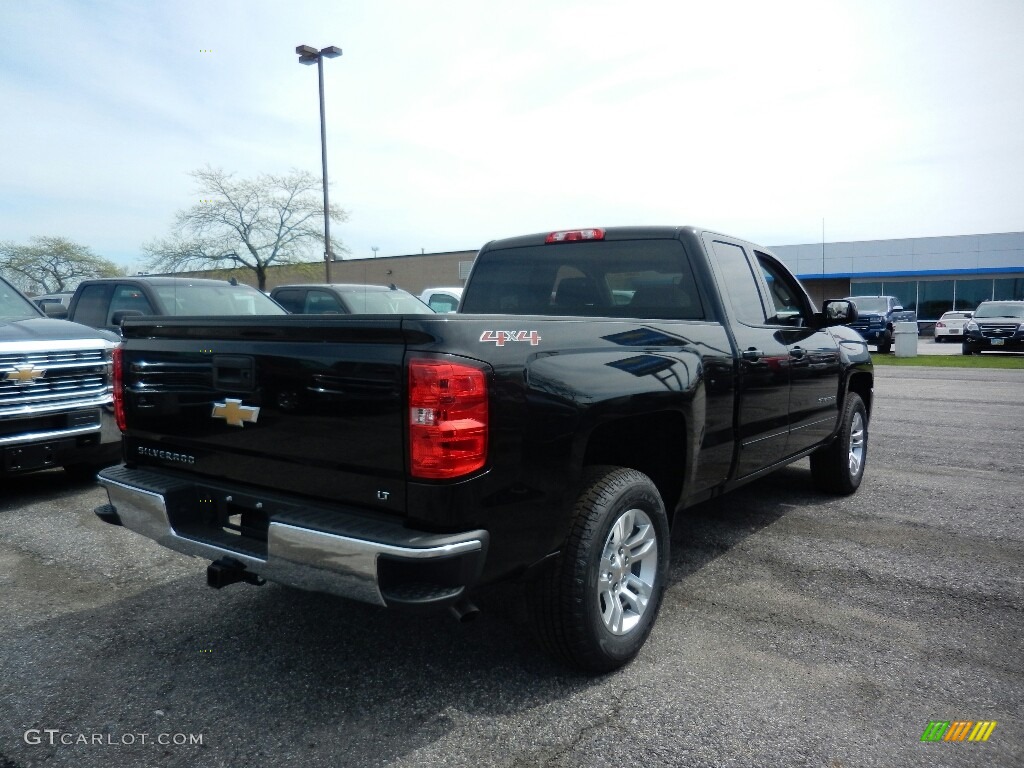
[862, 383]
[653, 443]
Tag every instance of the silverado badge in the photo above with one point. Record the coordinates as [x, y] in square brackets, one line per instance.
[235, 413]
[24, 374]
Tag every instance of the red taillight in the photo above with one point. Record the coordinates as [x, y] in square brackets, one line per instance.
[940, 324]
[573, 235]
[447, 419]
[118, 382]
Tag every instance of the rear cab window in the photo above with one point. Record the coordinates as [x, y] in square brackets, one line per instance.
[648, 279]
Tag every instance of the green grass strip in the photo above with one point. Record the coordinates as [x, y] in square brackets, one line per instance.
[952, 361]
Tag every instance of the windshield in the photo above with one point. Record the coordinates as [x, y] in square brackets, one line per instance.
[14, 306]
[1000, 309]
[397, 302]
[206, 299]
[871, 304]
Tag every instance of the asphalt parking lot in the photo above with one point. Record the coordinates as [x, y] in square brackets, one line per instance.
[798, 630]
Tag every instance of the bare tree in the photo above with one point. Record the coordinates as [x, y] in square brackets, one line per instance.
[52, 264]
[251, 223]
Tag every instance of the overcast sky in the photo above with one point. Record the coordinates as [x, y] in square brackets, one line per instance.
[451, 123]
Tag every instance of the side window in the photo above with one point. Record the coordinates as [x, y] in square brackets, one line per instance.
[291, 299]
[787, 298]
[323, 303]
[129, 297]
[92, 305]
[740, 284]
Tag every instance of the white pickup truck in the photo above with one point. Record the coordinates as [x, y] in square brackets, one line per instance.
[55, 391]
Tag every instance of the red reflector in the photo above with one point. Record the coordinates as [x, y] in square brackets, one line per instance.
[118, 385]
[447, 419]
[574, 235]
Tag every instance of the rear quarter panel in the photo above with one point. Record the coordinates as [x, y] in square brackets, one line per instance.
[565, 388]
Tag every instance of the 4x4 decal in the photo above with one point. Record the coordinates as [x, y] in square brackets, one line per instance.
[501, 338]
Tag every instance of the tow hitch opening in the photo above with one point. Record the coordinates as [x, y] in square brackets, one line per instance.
[227, 570]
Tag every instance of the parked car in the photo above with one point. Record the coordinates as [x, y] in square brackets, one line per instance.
[951, 326]
[997, 326]
[61, 300]
[105, 302]
[877, 317]
[442, 299]
[348, 299]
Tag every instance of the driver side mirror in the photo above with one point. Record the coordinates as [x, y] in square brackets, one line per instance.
[838, 312]
[55, 311]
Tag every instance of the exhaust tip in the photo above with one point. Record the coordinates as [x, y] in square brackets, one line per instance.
[464, 611]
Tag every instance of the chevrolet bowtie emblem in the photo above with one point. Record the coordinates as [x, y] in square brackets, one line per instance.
[235, 413]
[24, 374]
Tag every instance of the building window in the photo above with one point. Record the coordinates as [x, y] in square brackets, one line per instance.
[905, 291]
[934, 298]
[858, 288]
[970, 293]
[1009, 289]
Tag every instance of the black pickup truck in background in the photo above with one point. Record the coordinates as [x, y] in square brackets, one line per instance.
[594, 384]
[104, 302]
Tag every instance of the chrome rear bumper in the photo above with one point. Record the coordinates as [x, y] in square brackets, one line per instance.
[323, 550]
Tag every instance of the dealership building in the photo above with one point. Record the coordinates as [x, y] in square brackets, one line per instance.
[930, 275]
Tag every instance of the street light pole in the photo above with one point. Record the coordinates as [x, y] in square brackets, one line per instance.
[307, 55]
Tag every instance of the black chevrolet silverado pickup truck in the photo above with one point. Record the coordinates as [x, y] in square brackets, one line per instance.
[594, 384]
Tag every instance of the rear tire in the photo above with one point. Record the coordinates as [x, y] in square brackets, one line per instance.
[594, 605]
[839, 467]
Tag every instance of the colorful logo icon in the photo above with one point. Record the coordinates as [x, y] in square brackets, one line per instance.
[958, 730]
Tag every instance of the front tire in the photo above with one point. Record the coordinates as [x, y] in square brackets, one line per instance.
[594, 605]
[839, 467]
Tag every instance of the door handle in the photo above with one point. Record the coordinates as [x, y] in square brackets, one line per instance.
[752, 353]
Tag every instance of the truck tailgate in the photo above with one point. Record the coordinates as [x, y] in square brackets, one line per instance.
[311, 406]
